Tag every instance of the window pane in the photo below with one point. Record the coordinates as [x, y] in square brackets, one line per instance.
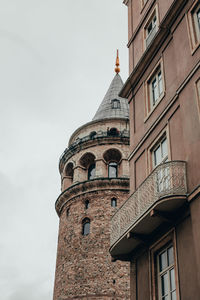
[154, 91]
[170, 256]
[164, 284]
[113, 202]
[91, 172]
[112, 170]
[163, 261]
[86, 228]
[157, 156]
[160, 85]
[149, 29]
[198, 17]
[164, 148]
[172, 280]
[173, 295]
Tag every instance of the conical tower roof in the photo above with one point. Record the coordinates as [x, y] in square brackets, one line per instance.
[112, 105]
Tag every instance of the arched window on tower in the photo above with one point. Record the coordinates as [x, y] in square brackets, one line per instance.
[113, 159]
[91, 171]
[87, 204]
[112, 170]
[86, 226]
[114, 202]
[87, 161]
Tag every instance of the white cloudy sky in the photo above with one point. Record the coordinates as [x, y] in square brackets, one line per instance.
[56, 63]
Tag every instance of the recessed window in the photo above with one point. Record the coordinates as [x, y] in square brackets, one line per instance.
[115, 103]
[91, 172]
[160, 152]
[112, 170]
[86, 226]
[87, 204]
[160, 155]
[166, 274]
[114, 202]
[198, 95]
[194, 24]
[155, 88]
[151, 29]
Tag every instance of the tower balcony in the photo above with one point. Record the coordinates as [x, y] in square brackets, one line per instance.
[157, 200]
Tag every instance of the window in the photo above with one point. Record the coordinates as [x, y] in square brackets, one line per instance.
[164, 268]
[160, 152]
[87, 204]
[114, 202]
[112, 170]
[166, 274]
[91, 172]
[194, 25]
[155, 89]
[160, 155]
[115, 103]
[151, 29]
[86, 226]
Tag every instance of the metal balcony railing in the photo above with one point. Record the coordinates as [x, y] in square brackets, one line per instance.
[93, 136]
[168, 179]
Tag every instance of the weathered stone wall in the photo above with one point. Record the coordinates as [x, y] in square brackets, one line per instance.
[84, 269]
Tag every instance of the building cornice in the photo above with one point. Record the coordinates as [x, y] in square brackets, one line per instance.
[90, 186]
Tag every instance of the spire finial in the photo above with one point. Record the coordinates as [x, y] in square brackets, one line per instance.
[117, 69]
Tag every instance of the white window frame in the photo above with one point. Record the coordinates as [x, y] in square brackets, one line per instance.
[166, 271]
[169, 239]
[158, 75]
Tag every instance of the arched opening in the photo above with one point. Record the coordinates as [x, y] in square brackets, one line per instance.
[113, 132]
[114, 202]
[91, 171]
[88, 162]
[68, 175]
[69, 170]
[112, 170]
[87, 204]
[112, 158]
[86, 226]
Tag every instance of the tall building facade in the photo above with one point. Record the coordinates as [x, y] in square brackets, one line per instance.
[157, 229]
[95, 181]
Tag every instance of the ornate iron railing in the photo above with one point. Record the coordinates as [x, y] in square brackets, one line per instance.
[167, 179]
[93, 136]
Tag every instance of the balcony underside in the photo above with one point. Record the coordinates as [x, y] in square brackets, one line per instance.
[164, 210]
[156, 201]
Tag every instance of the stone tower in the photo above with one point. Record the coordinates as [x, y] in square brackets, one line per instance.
[95, 181]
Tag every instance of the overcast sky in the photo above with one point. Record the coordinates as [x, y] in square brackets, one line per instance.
[57, 61]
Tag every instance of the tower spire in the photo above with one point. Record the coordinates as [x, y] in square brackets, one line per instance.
[117, 69]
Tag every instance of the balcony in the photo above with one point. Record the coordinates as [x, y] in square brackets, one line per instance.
[155, 201]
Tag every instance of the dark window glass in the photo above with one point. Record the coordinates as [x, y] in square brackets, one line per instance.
[86, 227]
[91, 171]
[87, 204]
[198, 17]
[114, 202]
[67, 212]
[112, 170]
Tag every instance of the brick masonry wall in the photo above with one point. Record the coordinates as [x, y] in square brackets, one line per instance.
[84, 269]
